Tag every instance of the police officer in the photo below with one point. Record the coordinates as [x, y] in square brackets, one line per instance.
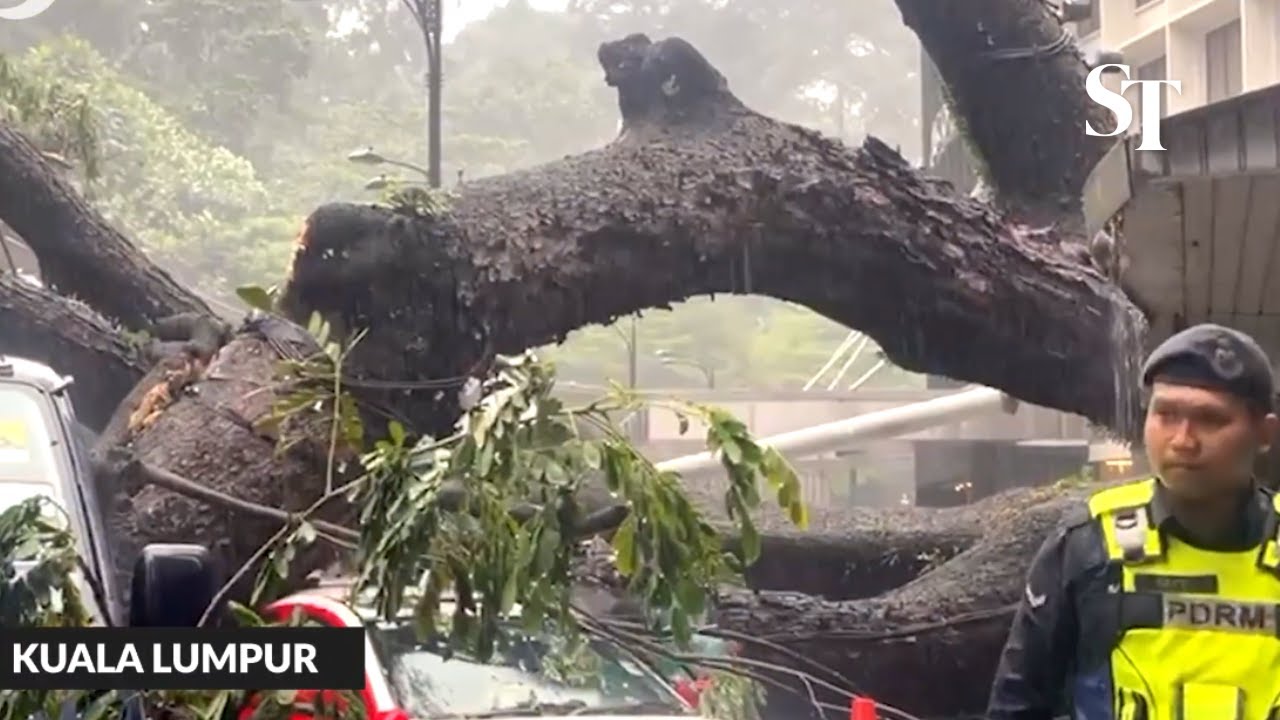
[1160, 601]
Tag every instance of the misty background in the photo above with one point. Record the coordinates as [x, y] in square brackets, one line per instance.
[220, 124]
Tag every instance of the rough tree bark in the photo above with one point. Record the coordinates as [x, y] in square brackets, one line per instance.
[995, 56]
[699, 194]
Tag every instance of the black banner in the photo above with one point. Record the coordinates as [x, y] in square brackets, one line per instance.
[260, 658]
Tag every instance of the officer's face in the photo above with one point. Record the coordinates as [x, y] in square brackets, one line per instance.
[1201, 441]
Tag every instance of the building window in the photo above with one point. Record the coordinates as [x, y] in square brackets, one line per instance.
[1143, 3]
[1223, 70]
[1154, 70]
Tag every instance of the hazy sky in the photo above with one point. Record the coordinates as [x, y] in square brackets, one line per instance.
[457, 13]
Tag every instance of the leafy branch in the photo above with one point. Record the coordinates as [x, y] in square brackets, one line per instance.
[488, 519]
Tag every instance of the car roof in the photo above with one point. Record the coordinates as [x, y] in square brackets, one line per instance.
[29, 372]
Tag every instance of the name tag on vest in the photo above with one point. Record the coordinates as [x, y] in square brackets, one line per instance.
[1203, 614]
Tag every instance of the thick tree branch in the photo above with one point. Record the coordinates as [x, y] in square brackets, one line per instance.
[1017, 84]
[74, 340]
[949, 622]
[702, 195]
[80, 253]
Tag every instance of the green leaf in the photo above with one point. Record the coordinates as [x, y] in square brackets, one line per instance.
[98, 709]
[548, 543]
[624, 546]
[509, 589]
[256, 297]
[243, 615]
[591, 455]
[750, 539]
[731, 450]
[306, 533]
[218, 706]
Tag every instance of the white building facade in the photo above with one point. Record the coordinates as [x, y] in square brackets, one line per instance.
[1217, 48]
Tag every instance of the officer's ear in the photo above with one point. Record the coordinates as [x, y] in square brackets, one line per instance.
[1267, 429]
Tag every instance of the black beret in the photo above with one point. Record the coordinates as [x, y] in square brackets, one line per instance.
[1217, 357]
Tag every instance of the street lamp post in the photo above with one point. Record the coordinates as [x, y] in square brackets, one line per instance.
[629, 339]
[429, 16]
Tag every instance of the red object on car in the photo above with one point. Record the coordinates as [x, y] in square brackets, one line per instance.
[691, 690]
[863, 708]
[459, 687]
[378, 700]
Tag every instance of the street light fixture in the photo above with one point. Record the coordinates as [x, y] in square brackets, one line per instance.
[666, 357]
[368, 156]
[365, 156]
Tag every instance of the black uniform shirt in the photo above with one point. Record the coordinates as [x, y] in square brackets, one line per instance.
[1065, 621]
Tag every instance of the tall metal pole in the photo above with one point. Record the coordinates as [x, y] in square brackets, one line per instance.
[631, 356]
[434, 81]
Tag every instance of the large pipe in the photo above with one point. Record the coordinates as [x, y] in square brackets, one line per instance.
[842, 434]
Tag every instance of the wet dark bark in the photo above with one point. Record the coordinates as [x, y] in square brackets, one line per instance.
[1024, 112]
[929, 646]
[38, 324]
[698, 195]
[80, 253]
[702, 195]
[208, 431]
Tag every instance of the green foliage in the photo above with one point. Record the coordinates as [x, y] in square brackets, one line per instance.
[220, 64]
[416, 201]
[58, 119]
[749, 341]
[489, 515]
[33, 537]
[731, 697]
[196, 207]
[39, 568]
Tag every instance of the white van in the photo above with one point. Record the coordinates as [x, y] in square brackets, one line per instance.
[43, 452]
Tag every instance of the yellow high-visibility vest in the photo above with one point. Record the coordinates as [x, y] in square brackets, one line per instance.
[1199, 630]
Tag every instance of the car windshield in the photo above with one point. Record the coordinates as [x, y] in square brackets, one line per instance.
[28, 461]
[525, 676]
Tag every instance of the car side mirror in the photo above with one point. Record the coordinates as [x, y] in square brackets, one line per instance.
[172, 586]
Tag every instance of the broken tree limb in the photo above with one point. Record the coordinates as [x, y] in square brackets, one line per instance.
[204, 424]
[995, 54]
[699, 195]
[702, 195]
[80, 253]
[144, 474]
[42, 326]
[948, 623]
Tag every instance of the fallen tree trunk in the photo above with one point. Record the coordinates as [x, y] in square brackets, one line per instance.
[929, 646]
[698, 195]
[36, 323]
[992, 56]
[80, 253]
[213, 425]
[708, 196]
